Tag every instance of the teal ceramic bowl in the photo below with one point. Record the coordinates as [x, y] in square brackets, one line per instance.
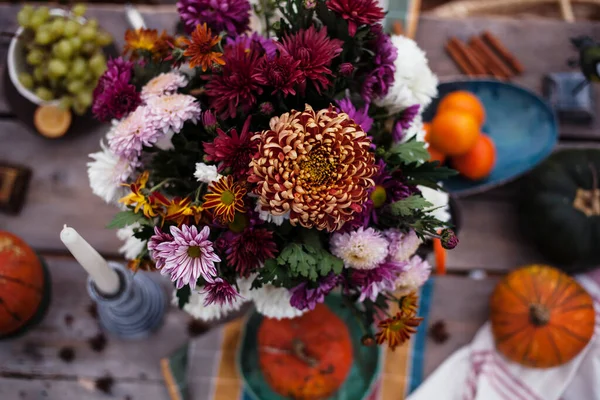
[359, 384]
[521, 124]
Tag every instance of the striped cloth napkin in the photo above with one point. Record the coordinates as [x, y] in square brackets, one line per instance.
[478, 372]
[205, 368]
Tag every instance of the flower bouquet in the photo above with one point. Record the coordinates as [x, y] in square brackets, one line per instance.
[277, 166]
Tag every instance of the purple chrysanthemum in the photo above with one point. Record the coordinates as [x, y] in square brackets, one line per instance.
[281, 73]
[255, 42]
[219, 292]
[187, 257]
[405, 121]
[306, 297]
[357, 12]
[346, 69]
[378, 81]
[235, 86]
[247, 250]
[374, 281]
[403, 245]
[113, 96]
[232, 16]
[360, 116]
[315, 50]
[388, 189]
[156, 239]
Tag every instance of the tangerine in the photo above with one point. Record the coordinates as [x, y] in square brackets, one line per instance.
[461, 100]
[454, 132]
[427, 129]
[436, 155]
[51, 121]
[479, 161]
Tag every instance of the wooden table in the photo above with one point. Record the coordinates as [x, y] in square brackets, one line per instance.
[30, 366]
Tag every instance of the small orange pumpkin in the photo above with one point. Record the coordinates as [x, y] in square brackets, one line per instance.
[305, 358]
[541, 317]
[21, 283]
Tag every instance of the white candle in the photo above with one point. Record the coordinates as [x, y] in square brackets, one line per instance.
[105, 278]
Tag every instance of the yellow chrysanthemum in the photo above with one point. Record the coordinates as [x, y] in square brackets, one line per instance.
[225, 197]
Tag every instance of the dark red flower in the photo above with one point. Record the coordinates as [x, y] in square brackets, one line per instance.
[115, 100]
[235, 85]
[219, 292]
[315, 51]
[281, 73]
[357, 12]
[233, 150]
[249, 249]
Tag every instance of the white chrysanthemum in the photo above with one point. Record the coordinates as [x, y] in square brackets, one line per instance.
[413, 277]
[196, 308]
[132, 246]
[165, 83]
[206, 173]
[414, 83]
[172, 111]
[270, 301]
[361, 249]
[106, 174]
[439, 199]
[415, 131]
[402, 245]
[268, 217]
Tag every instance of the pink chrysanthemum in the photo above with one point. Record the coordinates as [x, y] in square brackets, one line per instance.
[233, 150]
[414, 275]
[187, 257]
[172, 111]
[315, 51]
[402, 245]
[281, 73]
[247, 250]
[361, 249]
[156, 239]
[133, 133]
[163, 84]
[357, 12]
[219, 292]
[235, 86]
[371, 282]
[232, 16]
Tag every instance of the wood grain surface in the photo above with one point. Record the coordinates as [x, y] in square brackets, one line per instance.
[30, 367]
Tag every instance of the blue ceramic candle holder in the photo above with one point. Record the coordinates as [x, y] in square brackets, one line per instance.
[136, 310]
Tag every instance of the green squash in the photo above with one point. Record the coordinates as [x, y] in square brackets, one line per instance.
[560, 209]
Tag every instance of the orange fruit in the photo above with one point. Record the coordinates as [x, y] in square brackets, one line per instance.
[52, 121]
[462, 100]
[436, 155]
[427, 129]
[454, 132]
[479, 161]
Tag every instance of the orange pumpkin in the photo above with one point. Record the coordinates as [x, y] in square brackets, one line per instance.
[305, 358]
[541, 317]
[21, 283]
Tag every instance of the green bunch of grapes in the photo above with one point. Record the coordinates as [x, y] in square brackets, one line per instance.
[64, 55]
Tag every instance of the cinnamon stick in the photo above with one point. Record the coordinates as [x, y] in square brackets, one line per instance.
[469, 55]
[460, 60]
[492, 60]
[489, 69]
[497, 45]
[397, 28]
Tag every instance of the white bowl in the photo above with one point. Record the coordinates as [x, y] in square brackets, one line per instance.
[16, 62]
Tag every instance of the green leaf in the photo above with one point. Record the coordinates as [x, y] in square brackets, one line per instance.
[407, 153]
[427, 173]
[300, 260]
[125, 218]
[274, 274]
[409, 205]
[329, 262]
[183, 296]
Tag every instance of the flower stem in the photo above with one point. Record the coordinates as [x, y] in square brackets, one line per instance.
[161, 184]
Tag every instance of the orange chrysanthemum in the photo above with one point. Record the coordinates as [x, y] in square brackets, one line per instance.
[397, 330]
[181, 211]
[316, 166]
[409, 304]
[200, 48]
[150, 203]
[226, 197]
[141, 264]
[148, 40]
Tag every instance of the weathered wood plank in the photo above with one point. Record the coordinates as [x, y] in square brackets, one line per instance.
[542, 46]
[36, 353]
[462, 303]
[59, 192]
[17, 389]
